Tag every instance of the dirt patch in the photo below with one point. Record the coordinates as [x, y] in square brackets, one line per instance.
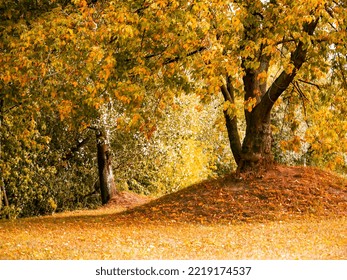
[127, 200]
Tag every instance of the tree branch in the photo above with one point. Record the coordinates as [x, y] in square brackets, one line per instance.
[231, 122]
[298, 57]
[309, 83]
[177, 58]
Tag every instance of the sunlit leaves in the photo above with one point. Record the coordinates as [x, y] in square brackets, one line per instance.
[63, 63]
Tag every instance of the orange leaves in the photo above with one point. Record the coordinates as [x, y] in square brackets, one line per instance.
[293, 145]
[135, 119]
[262, 77]
[80, 3]
[107, 68]
[96, 54]
[148, 130]
[66, 237]
[6, 77]
[219, 219]
[289, 68]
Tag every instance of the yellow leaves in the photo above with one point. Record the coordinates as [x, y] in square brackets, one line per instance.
[158, 5]
[105, 73]
[176, 222]
[6, 77]
[250, 104]
[236, 23]
[65, 109]
[64, 237]
[110, 64]
[289, 68]
[80, 3]
[262, 77]
[292, 145]
[123, 98]
[142, 72]
[230, 108]
[135, 120]
[96, 54]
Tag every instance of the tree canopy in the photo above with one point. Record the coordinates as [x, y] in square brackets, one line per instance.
[150, 74]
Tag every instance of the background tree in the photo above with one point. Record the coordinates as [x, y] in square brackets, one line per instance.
[185, 145]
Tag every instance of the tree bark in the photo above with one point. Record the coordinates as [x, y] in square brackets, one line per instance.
[231, 122]
[3, 195]
[107, 185]
[256, 147]
[1, 178]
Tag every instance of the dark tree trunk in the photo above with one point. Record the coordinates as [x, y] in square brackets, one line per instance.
[3, 195]
[231, 122]
[256, 147]
[107, 185]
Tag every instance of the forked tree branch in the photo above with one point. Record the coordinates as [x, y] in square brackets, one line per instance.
[298, 57]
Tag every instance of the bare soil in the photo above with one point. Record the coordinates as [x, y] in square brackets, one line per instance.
[127, 200]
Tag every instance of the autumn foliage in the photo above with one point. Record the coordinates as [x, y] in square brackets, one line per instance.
[99, 97]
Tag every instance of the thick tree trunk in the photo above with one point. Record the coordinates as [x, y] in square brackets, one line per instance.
[107, 185]
[256, 147]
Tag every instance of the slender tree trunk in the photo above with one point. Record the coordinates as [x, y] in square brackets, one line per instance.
[3, 195]
[2, 191]
[1, 178]
[231, 122]
[107, 185]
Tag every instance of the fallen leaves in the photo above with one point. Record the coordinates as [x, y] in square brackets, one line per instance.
[281, 216]
[282, 193]
[303, 239]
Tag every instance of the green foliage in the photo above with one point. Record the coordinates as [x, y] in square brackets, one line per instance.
[36, 177]
[183, 147]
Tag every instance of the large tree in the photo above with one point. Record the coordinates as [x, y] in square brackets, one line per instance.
[256, 50]
[286, 34]
[253, 51]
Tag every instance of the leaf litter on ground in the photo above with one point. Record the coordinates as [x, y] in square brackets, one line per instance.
[287, 213]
